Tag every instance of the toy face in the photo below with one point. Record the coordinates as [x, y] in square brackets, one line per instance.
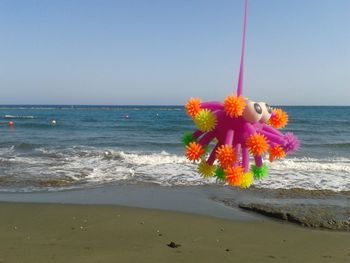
[257, 112]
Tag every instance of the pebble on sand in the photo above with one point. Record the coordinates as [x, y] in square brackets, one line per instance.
[173, 245]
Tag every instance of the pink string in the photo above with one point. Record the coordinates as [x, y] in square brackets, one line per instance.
[241, 67]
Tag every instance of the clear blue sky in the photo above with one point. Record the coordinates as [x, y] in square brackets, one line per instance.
[165, 51]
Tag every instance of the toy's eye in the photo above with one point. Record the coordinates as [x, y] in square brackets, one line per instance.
[266, 112]
[252, 111]
[257, 108]
[269, 109]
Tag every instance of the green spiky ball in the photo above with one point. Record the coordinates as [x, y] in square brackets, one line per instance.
[220, 174]
[188, 138]
[259, 172]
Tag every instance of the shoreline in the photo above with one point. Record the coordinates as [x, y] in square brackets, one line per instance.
[193, 200]
[314, 209]
[108, 233]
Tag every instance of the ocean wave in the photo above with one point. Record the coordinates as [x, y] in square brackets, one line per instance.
[126, 108]
[25, 146]
[35, 125]
[309, 173]
[92, 107]
[82, 166]
[335, 145]
[18, 117]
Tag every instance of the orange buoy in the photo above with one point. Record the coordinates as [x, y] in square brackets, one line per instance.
[11, 123]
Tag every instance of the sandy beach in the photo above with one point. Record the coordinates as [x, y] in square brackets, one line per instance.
[174, 131]
[90, 233]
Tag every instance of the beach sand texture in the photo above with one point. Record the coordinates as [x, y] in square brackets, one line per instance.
[87, 233]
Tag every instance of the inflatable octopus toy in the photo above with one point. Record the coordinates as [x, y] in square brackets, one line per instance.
[239, 127]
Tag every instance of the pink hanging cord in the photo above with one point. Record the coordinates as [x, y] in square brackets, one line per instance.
[241, 67]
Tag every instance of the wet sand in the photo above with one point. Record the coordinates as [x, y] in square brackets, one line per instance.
[90, 233]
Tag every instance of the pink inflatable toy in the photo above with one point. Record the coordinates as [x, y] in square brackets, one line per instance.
[240, 128]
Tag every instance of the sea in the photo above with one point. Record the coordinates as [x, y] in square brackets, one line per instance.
[92, 146]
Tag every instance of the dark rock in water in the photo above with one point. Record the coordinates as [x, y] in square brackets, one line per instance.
[309, 215]
[299, 193]
[173, 245]
[54, 183]
[310, 208]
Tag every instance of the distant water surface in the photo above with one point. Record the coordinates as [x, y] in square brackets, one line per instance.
[93, 145]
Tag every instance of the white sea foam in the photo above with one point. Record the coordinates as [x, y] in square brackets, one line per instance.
[87, 165]
[163, 169]
[18, 117]
[309, 173]
[84, 165]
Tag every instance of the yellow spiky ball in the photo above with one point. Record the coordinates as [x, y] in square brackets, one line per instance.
[205, 120]
[247, 180]
[205, 169]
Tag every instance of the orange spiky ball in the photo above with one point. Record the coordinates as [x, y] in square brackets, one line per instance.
[279, 119]
[194, 151]
[276, 152]
[193, 106]
[234, 175]
[234, 106]
[226, 155]
[257, 144]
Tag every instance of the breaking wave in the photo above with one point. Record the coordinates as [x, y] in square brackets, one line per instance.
[74, 167]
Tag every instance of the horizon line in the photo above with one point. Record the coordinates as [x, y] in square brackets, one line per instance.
[159, 105]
